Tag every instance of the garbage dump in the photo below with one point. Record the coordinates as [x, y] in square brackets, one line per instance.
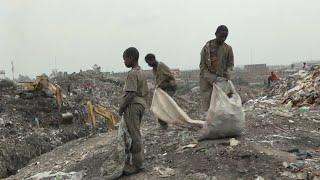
[6, 86]
[279, 141]
[30, 128]
[31, 125]
[300, 89]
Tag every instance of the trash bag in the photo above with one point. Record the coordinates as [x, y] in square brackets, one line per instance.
[166, 109]
[225, 117]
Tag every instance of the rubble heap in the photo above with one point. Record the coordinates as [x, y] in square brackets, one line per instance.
[306, 91]
[6, 86]
[300, 89]
[100, 88]
[279, 88]
[30, 126]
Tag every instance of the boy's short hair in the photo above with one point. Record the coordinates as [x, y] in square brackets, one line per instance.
[150, 56]
[222, 28]
[131, 52]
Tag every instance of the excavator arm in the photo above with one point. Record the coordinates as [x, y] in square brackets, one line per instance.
[56, 90]
[111, 118]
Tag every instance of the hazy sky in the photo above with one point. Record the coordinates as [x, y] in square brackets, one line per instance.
[80, 33]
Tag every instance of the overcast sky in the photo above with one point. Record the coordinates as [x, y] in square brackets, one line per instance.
[80, 33]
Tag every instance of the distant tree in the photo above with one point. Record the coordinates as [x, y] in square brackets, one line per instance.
[56, 74]
[22, 78]
[96, 68]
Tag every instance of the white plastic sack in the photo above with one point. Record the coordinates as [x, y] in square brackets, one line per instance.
[165, 108]
[225, 117]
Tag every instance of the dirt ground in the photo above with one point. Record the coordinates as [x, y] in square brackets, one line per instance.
[280, 142]
[273, 147]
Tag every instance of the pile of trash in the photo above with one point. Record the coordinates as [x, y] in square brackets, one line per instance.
[278, 88]
[306, 90]
[31, 125]
[282, 85]
[6, 86]
[299, 89]
[29, 128]
[97, 87]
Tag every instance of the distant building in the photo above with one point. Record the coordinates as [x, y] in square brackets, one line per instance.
[258, 69]
[255, 73]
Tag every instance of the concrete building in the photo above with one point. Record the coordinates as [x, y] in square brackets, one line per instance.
[260, 69]
[255, 73]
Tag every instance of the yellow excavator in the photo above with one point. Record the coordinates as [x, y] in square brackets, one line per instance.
[42, 83]
[111, 118]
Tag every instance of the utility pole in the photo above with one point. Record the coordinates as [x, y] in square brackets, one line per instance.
[55, 63]
[251, 56]
[55, 70]
[12, 69]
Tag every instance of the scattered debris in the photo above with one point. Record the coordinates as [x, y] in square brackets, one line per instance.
[304, 109]
[290, 121]
[165, 172]
[285, 164]
[234, 142]
[301, 89]
[316, 121]
[66, 118]
[280, 136]
[316, 178]
[283, 114]
[189, 146]
[291, 175]
[201, 176]
[181, 148]
[57, 175]
[259, 178]
[1, 121]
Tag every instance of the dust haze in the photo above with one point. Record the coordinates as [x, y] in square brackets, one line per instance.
[40, 35]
